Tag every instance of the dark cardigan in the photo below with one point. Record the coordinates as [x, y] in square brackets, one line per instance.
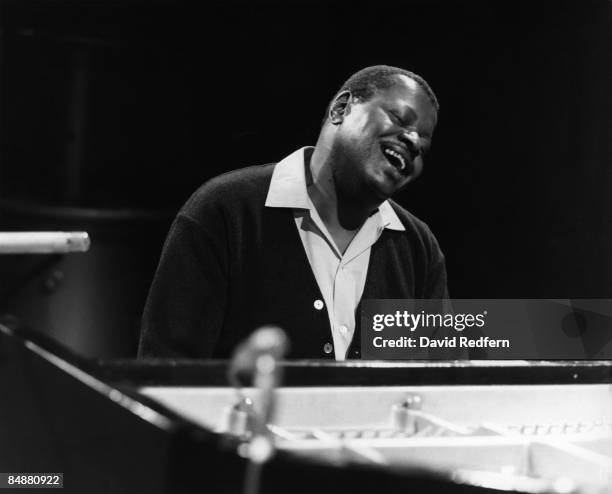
[231, 265]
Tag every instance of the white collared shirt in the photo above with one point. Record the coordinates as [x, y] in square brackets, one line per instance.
[341, 277]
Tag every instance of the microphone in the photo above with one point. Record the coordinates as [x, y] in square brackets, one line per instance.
[260, 350]
[257, 359]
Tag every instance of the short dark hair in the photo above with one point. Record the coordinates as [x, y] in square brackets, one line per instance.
[364, 83]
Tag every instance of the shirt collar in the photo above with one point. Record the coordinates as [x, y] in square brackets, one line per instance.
[388, 217]
[288, 185]
[288, 190]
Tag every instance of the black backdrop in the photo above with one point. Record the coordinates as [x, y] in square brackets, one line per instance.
[133, 104]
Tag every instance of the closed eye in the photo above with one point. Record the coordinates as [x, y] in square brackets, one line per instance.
[396, 118]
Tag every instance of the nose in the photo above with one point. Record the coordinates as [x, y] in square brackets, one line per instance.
[412, 140]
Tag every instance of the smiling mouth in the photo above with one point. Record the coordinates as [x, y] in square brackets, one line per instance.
[395, 159]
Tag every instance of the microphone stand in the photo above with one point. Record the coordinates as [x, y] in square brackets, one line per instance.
[258, 357]
[261, 447]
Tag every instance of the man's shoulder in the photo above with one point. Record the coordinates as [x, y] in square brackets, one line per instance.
[418, 234]
[236, 182]
[410, 221]
[243, 185]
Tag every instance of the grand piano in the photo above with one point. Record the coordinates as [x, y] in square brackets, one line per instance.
[371, 426]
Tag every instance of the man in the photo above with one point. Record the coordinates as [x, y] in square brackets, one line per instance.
[299, 244]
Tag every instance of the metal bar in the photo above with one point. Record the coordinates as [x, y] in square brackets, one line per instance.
[43, 242]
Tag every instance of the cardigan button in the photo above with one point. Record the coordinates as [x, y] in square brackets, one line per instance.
[318, 304]
[328, 348]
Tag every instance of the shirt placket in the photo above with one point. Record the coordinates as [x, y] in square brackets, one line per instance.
[343, 299]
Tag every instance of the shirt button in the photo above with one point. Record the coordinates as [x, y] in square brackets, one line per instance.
[343, 329]
[327, 348]
[318, 304]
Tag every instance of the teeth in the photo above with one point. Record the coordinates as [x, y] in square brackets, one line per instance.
[390, 152]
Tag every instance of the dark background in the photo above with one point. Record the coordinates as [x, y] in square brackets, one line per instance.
[112, 113]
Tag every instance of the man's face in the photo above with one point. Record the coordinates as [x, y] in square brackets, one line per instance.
[379, 143]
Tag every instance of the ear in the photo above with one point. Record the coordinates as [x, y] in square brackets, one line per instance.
[340, 107]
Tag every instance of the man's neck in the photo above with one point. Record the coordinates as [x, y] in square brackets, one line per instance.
[339, 213]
